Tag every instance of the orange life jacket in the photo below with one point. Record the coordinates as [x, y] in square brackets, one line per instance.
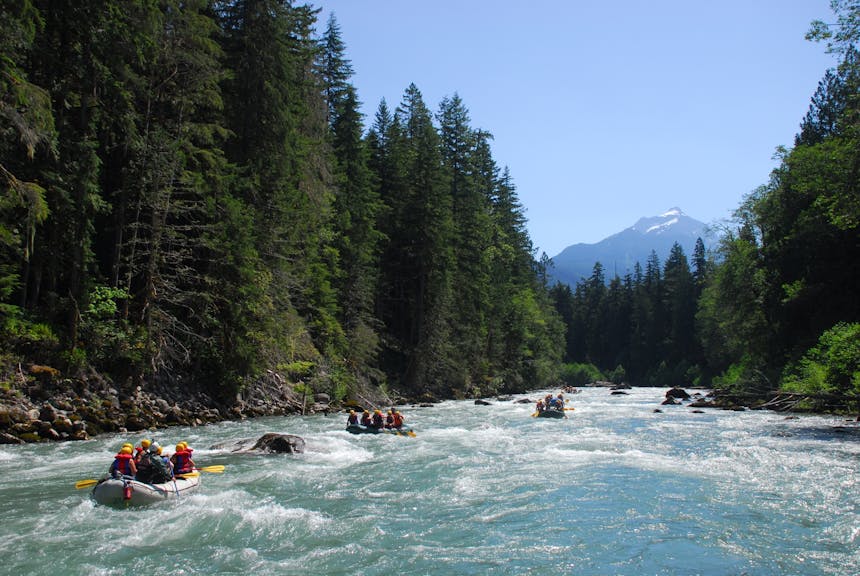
[182, 462]
[122, 464]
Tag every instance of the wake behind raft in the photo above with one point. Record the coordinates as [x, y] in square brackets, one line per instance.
[359, 429]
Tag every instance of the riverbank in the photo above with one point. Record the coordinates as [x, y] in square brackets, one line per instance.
[40, 405]
[43, 406]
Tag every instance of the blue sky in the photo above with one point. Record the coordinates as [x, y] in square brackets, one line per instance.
[603, 111]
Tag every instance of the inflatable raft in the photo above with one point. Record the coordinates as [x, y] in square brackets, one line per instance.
[551, 413]
[127, 491]
[359, 429]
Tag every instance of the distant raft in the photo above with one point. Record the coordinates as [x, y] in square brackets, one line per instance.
[127, 491]
[359, 429]
[550, 413]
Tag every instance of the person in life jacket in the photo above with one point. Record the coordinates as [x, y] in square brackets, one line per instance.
[389, 419]
[352, 419]
[139, 451]
[549, 402]
[376, 421]
[398, 419]
[540, 406]
[143, 462]
[158, 467]
[365, 419]
[123, 463]
[559, 402]
[181, 460]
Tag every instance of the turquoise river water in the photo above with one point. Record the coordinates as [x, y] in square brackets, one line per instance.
[615, 489]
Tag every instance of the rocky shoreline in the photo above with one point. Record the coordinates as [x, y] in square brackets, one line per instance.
[40, 406]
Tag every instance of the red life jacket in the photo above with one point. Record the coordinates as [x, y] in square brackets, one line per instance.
[182, 462]
[398, 420]
[122, 464]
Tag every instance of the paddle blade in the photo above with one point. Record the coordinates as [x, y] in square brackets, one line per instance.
[188, 475]
[411, 433]
[85, 483]
[534, 415]
[217, 468]
[570, 408]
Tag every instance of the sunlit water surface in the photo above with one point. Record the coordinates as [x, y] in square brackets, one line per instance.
[616, 488]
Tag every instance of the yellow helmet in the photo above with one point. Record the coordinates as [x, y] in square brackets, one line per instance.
[145, 443]
[125, 450]
[129, 444]
[180, 447]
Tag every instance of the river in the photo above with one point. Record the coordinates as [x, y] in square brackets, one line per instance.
[616, 488]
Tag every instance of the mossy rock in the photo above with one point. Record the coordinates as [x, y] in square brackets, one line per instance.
[30, 437]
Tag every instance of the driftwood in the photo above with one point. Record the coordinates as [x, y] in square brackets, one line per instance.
[780, 401]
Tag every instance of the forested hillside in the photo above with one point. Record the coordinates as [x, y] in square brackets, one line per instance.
[192, 201]
[194, 205]
[775, 305]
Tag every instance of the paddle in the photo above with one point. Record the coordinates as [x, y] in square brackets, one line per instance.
[216, 469]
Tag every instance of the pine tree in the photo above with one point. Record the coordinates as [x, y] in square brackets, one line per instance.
[471, 189]
[429, 247]
[27, 127]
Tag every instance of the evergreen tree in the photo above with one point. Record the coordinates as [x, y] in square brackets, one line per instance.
[27, 126]
[357, 211]
[428, 246]
[335, 68]
[680, 307]
[471, 189]
[276, 113]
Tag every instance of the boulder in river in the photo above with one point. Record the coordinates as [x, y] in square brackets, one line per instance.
[269, 443]
[677, 392]
[280, 444]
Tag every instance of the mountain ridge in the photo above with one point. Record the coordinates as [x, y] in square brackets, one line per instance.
[619, 252]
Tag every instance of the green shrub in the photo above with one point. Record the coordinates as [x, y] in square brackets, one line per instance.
[576, 374]
[831, 366]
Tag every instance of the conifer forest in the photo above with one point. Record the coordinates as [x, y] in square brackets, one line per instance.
[191, 199]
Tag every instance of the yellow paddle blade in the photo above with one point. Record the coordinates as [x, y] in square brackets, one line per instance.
[217, 468]
[534, 415]
[188, 475]
[570, 408]
[411, 433]
[85, 483]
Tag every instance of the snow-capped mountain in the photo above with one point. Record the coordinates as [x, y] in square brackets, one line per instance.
[620, 252]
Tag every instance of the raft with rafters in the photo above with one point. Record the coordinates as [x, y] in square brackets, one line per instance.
[550, 413]
[127, 491]
[359, 429]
